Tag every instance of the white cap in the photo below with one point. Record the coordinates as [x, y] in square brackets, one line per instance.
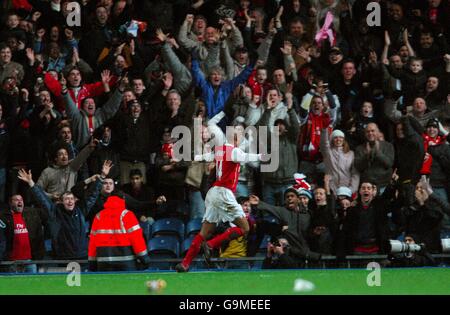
[337, 133]
[344, 191]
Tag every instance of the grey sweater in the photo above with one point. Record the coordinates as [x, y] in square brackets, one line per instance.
[375, 167]
[80, 120]
[288, 158]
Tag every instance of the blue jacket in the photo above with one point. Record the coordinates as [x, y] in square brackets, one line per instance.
[216, 103]
[68, 228]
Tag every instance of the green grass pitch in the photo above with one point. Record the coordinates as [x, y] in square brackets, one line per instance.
[326, 281]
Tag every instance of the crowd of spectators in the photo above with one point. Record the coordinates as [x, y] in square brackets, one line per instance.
[363, 117]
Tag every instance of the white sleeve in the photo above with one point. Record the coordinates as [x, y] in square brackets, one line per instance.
[239, 156]
[213, 129]
[216, 119]
[209, 157]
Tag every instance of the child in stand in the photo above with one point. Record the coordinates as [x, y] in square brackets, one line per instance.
[323, 220]
[238, 247]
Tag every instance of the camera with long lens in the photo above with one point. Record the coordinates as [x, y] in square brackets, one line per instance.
[395, 247]
[445, 243]
[275, 242]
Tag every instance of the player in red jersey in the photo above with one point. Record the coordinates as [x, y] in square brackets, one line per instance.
[220, 202]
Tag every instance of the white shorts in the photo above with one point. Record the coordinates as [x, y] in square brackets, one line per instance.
[221, 206]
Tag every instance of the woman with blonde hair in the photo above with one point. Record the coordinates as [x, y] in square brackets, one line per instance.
[339, 161]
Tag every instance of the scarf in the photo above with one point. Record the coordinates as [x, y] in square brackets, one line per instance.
[310, 136]
[326, 31]
[428, 160]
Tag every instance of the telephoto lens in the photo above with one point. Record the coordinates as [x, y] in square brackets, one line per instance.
[445, 242]
[394, 247]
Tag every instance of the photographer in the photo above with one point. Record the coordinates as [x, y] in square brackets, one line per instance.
[410, 258]
[296, 221]
[424, 216]
[278, 255]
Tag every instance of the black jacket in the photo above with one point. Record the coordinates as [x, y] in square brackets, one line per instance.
[35, 220]
[138, 207]
[409, 152]
[347, 239]
[440, 167]
[425, 221]
[68, 228]
[298, 224]
[284, 261]
[135, 139]
[102, 153]
[4, 143]
[413, 84]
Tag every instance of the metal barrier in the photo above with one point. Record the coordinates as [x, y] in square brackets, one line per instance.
[355, 261]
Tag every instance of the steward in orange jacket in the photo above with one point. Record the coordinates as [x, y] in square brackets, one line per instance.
[116, 241]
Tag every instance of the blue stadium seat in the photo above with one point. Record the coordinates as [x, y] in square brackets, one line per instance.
[193, 227]
[261, 252]
[164, 244]
[146, 229]
[196, 265]
[185, 245]
[169, 226]
[161, 247]
[263, 245]
[48, 246]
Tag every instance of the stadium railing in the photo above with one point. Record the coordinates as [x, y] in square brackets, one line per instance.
[355, 261]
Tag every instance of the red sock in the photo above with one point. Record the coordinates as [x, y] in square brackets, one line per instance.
[228, 235]
[193, 250]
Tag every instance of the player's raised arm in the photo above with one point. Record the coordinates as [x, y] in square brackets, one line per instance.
[239, 156]
[209, 157]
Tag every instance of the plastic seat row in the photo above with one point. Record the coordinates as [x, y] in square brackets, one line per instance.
[176, 227]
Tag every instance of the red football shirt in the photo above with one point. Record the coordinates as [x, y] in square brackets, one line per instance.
[21, 249]
[227, 171]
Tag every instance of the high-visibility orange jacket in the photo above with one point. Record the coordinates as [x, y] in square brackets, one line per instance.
[116, 239]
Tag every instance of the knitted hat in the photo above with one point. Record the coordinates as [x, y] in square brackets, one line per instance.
[344, 191]
[337, 133]
[301, 188]
[433, 122]
[299, 192]
[301, 183]
[304, 192]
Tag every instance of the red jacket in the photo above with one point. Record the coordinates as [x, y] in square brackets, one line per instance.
[116, 236]
[86, 90]
[258, 88]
